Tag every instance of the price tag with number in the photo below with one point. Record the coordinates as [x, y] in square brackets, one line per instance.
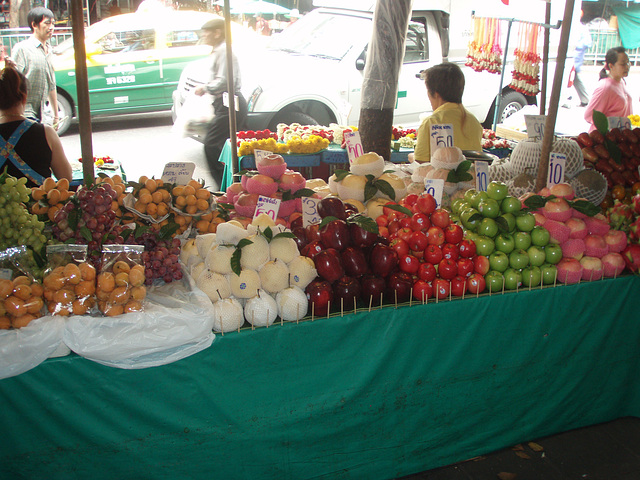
[269, 206]
[260, 154]
[434, 187]
[354, 145]
[6, 273]
[557, 162]
[441, 136]
[178, 172]
[482, 175]
[310, 214]
[619, 122]
[535, 125]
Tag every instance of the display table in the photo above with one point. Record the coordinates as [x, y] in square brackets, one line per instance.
[375, 395]
[109, 170]
[332, 155]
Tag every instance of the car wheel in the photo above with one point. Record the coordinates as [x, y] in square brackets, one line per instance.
[65, 113]
[511, 102]
[289, 117]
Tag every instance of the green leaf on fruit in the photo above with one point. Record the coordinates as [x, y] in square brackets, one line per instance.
[268, 234]
[386, 188]
[86, 234]
[369, 191]
[614, 150]
[601, 122]
[235, 261]
[461, 173]
[503, 225]
[284, 235]
[585, 207]
[364, 222]
[126, 233]
[476, 217]
[389, 171]
[140, 230]
[304, 192]
[243, 243]
[167, 231]
[326, 220]
[536, 202]
[72, 218]
[399, 208]
[250, 173]
[340, 174]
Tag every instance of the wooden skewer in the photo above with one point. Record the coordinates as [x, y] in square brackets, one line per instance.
[370, 302]
[328, 308]
[341, 307]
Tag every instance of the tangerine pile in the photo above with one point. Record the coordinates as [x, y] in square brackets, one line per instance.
[21, 301]
[152, 199]
[191, 198]
[121, 289]
[70, 289]
[50, 196]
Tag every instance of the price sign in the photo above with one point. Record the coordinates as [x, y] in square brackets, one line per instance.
[310, 211]
[269, 206]
[441, 136]
[354, 145]
[434, 187]
[482, 175]
[535, 125]
[557, 162]
[260, 154]
[619, 122]
[178, 172]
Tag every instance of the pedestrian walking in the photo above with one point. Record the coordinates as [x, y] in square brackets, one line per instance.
[584, 44]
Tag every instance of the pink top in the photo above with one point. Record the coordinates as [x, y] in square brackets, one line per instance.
[611, 98]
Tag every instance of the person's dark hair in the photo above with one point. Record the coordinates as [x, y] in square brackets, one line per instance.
[13, 87]
[447, 80]
[610, 59]
[36, 15]
[215, 24]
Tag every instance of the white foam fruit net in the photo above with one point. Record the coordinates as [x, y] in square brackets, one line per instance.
[526, 156]
[500, 171]
[590, 185]
[571, 149]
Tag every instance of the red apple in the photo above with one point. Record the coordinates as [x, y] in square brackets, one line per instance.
[332, 207]
[311, 249]
[458, 286]
[405, 233]
[481, 264]
[383, 260]
[427, 272]
[449, 250]
[420, 221]
[371, 288]
[336, 234]
[400, 246]
[320, 295]
[354, 261]
[453, 233]
[465, 267]
[422, 291]
[426, 203]
[433, 254]
[447, 268]
[467, 248]
[435, 235]
[410, 200]
[406, 222]
[441, 288]
[313, 232]
[440, 218]
[399, 285]
[346, 291]
[418, 241]
[328, 264]
[361, 237]
[476, 283]
[409, 264]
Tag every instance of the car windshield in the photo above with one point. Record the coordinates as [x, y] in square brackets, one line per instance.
[324, 35]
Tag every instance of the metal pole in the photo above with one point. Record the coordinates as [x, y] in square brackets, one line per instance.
[550, 122]
[231, 90]
[82, 86]
[504, 65]
[545, 60]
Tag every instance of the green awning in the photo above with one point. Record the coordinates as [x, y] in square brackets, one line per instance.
[628, 24]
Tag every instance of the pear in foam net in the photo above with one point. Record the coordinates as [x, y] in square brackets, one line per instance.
[368, 164]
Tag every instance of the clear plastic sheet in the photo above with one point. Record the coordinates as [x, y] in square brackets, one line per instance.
[22, 349]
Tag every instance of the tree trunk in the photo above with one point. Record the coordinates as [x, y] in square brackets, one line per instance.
[380, 83]
[18, 11]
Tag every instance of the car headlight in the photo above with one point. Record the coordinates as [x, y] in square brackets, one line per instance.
[253, 98]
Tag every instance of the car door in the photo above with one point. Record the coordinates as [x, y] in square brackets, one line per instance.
[125, 73]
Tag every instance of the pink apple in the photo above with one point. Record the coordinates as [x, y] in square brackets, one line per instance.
[612, 264]
[540, 218]
[616, 240]
[597, 224]
[272, 165]
[595, 246]
[578, 228]
[557, 209]
[559, 231]
[562, 190]
[233, 191]
[245, 204]
[591, 268]
[481, 264]
[569, 271]
[262, 185]
[545, 192]
[291, 180]
[573, 248]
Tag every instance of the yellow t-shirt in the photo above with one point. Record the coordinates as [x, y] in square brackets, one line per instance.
[467, 136]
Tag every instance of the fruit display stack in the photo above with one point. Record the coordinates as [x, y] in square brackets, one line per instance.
[626, 218]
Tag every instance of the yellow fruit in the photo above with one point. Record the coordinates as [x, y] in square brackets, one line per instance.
[38, 193]
[177, 190]
[145, 198]
[191, 209]
[189, 190]
[151, 185]
[191, 199]
[202, 204]
[6, 288]
[139, 292]
[48, 184]
[87, 271]
[62, 184]
[34, 305]
[120, 266]
[106, 281]
[157, 196]
[113, 310]
[53, 196]
[23, 292]
[54, 281]
[152, 209]
[64, 296]
[122, 279]
[72, 273]
[132, 306]
[14, 306]
[22, 320]
[163, 209]
[5, 322]
[136, 275]
[85, 288]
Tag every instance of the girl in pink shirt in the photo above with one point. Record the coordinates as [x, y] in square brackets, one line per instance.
[611, 96]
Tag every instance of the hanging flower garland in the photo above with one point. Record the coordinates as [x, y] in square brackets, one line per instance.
[526, 65]
[484, 52]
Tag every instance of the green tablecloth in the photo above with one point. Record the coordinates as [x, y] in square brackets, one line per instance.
[371, 395]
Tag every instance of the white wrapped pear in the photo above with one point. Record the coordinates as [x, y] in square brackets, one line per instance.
[374, 207]
[415, 188]
[447, 157]
[352, 186]
[442, 174]
[396, 183]
[230, 233]
[323, 192]
[333, 184]
[368, 164]
[420, 172]
[263, 221]
[189, 249]
[228, 315]
[219, 258]
[261, 310]
[302, 271]
[292, 304]
[255, 254]
[204, 243]
[196, 270]
[274, 276]
[314, 183]
[246, 284]
[214, 285]
[283, 248]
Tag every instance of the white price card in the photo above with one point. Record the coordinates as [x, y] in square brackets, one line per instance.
[482, 175]
[535, 125]
[260, 154]
[434, 187]
[619, 122]
[441, 136]
[269, 206]
[557, 163]
[310, 214]
[354, 145]
[178, 172]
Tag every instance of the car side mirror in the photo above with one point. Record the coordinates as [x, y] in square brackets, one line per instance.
[360, 64]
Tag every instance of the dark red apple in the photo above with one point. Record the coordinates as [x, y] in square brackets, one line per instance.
[383, 260]
[311, 249]
[320, 294]
[335, 234]
[329, 265]
[332, 207]
[354, 261]
[399, 285]
[301, 237]
[361, 237]
[346, 291]
[371, 288]
[422, 291]
[313, 232]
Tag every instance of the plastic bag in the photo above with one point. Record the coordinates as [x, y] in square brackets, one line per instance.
[120, 283]
[194, 116]
[177, 322]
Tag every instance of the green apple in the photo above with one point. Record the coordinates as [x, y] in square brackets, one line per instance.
[540, 236]
[525, 222]
[512, 279]
[522, 240]
[505, 243]
[458, 205]
[537, 256]
[553, 253]
[498, 261]
[488, 227]
[549, 274]
[497, 190]
[468, 194]
[510, 205]
[489, 208]
[518, 259]
[484, 245]
[477, 198]
[510, 220]
[495, 281]
[531, 276]
[467, 222]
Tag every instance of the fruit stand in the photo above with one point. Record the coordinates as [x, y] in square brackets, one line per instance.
[375, 394]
